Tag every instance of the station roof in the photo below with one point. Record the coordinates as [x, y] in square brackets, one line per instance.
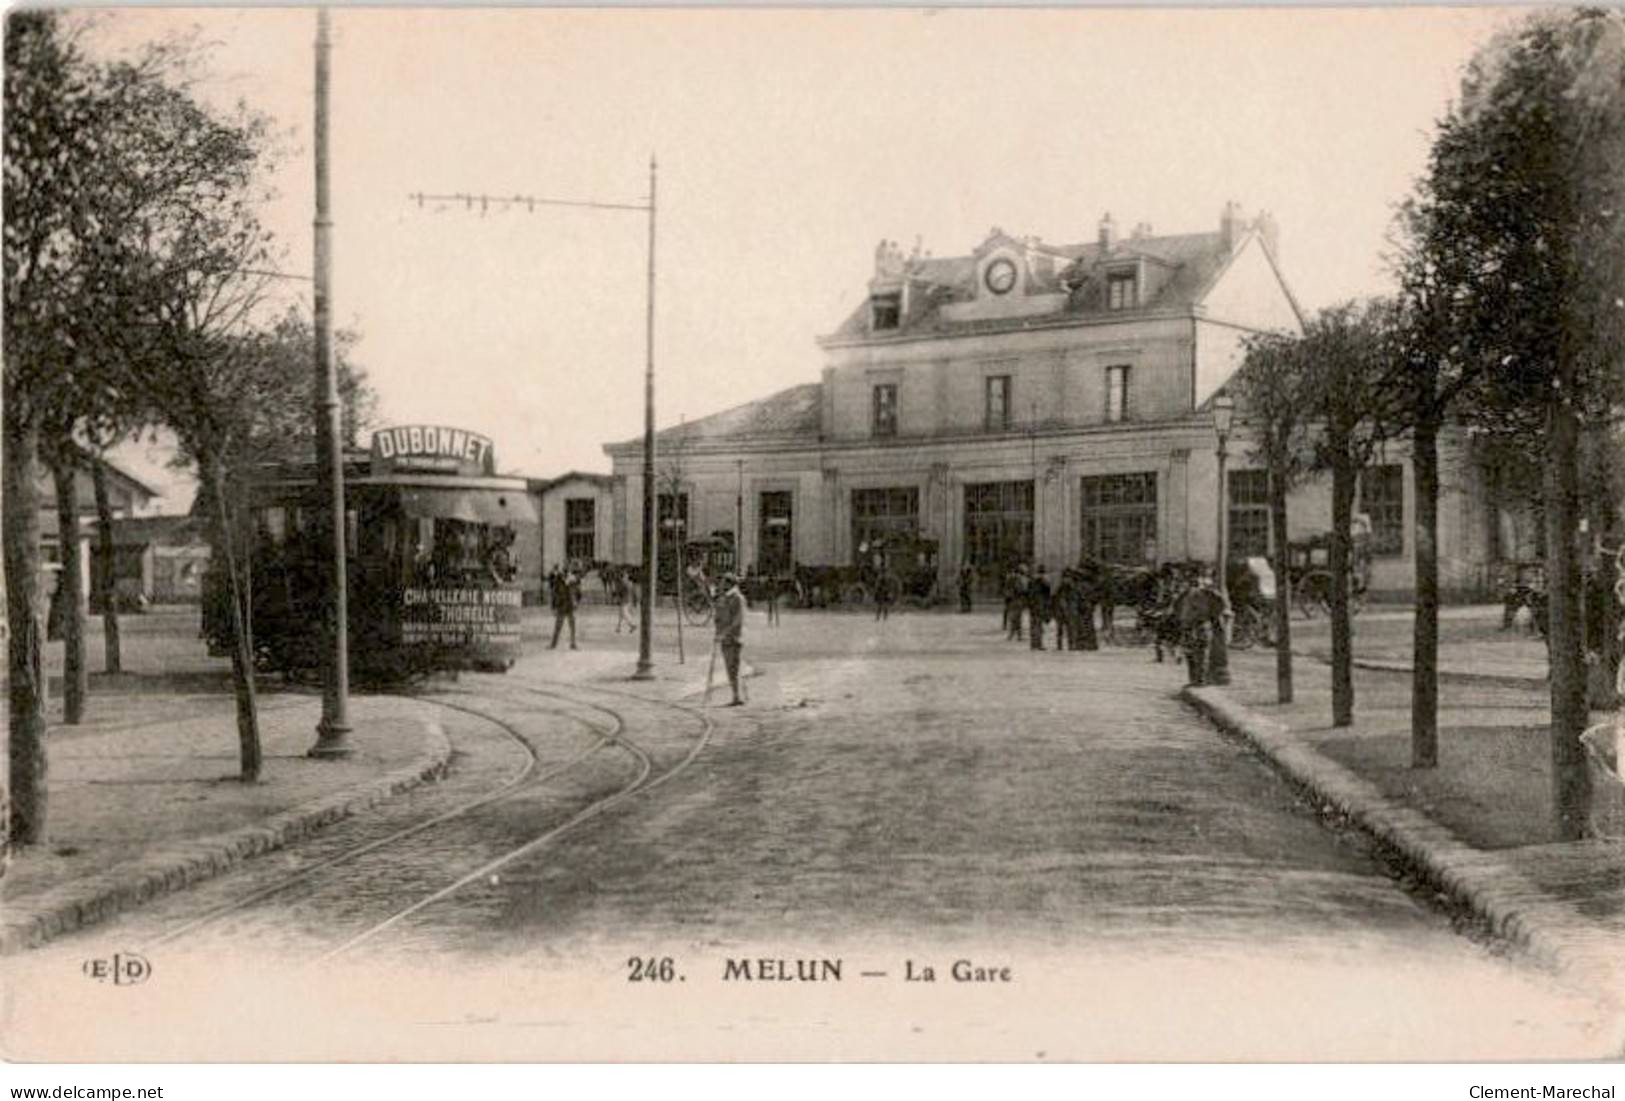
[1192, 262]
[793, 414]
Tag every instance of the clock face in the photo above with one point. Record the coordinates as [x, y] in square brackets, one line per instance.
[1000, 276]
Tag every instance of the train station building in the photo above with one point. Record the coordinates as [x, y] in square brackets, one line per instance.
[1036, 402]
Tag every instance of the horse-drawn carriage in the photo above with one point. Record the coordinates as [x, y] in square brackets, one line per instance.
[1523, 585]
[910, 558]
[1155, 594]
[1309, 566]
[691, 574]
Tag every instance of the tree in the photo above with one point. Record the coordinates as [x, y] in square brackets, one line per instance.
[1527, 184]
[52, 156]
[102, 162]
[1271, 389]
[1356, 410]
[192, 281]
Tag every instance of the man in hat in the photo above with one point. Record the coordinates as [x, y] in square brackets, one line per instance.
[1038, 607]
[730, 628]
[1015, 596]
[1201, 611]
[565, 592]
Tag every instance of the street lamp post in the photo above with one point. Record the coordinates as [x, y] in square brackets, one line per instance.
[739, 520]
[1224, 411]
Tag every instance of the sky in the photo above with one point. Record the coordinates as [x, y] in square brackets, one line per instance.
[789, 142]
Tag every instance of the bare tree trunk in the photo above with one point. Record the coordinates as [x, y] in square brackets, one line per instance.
[71, 591]
[107, 578]
[1425, 638]
[1343, 478]
[1565, 638]
[242, 645]
[682, 579]
[1283, 591]
[25, 660]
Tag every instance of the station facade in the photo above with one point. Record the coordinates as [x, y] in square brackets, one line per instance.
[1036, 403]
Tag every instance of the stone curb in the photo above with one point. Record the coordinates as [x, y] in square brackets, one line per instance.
[1576, 948]
[1452, 676]
[1455, 676]
[94, 898]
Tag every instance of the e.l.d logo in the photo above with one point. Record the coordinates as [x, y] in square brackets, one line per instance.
[120, 969]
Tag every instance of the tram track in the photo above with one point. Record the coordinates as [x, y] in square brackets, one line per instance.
[639, 784]
[373, 871]
[511, 785]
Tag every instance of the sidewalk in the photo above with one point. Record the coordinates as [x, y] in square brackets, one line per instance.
[1472, 644]
[1477, 828]
[144, 797]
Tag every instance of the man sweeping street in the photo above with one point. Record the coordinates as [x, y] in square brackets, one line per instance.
[730, 627]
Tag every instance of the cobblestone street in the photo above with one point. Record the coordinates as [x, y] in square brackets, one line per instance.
[940, 781]
[895, 796]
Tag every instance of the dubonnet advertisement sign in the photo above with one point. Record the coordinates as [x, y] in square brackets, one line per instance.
[432, 448]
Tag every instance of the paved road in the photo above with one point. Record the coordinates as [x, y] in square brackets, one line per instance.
[900, 796]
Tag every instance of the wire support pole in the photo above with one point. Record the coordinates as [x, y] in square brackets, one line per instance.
[645, 667]
[333, 732]
[484, 203]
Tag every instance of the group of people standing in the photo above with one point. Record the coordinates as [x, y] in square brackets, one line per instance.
[1031, 603]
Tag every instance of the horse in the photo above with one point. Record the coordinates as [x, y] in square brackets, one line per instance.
[1109, 586]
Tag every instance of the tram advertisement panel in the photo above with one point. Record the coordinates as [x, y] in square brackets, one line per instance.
[482, 619]
[427, 448]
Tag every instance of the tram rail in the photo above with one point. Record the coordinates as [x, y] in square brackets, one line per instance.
[646, 775]
[639, 784]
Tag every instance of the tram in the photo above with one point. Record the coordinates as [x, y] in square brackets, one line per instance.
[433, 538]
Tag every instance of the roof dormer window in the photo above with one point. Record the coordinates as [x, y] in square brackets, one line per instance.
[1122, 290]
[885, 311]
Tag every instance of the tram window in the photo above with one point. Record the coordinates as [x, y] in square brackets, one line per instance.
[420, 547]
[456, 548]
[273, 525]
[379, 538]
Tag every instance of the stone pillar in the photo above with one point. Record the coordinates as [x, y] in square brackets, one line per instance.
[835, 548]
[939, 524]
[1052, 503]
[1176, 543]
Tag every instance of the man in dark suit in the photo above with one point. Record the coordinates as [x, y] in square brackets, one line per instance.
[1038, 607]
[564, 591]
[1201, 611]
[730, 629]
[1015, 597]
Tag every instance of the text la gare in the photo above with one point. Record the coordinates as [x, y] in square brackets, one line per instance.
[960, 971]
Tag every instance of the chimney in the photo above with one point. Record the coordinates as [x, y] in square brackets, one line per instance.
[1270, 232]
[1108, 232]
[1142, 230]
[1230, 225]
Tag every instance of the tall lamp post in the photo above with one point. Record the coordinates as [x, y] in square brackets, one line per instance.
[1224, 413]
